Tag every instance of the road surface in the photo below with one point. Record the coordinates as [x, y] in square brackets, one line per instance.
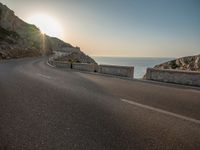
[44, 108]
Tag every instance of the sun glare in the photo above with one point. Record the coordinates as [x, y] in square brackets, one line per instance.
[46, 24]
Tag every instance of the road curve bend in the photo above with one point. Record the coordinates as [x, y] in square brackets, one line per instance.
[44, 108]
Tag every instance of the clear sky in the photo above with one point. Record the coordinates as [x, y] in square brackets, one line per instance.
[134, 28]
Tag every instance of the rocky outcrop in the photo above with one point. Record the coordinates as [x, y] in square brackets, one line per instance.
[13, 46]
[76, 57]
[190, 63]
[20, 39]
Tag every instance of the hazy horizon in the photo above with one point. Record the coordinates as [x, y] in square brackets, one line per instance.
[115, 28]
[128, 56]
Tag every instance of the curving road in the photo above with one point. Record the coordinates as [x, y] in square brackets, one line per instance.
[44, 108]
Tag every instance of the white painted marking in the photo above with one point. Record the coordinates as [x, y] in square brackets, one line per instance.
[44, 76]
[50, 65]
[161, 111]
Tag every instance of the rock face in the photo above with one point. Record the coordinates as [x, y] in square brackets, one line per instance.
[190, 63]
[77, 57]
[20, 39]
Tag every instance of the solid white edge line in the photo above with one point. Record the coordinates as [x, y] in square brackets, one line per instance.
[50, 65]
[161, 111]
[44, 76]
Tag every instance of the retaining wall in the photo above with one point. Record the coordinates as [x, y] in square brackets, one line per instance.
[173, 76]
[85, 67]
[123, 71]
[61, 64]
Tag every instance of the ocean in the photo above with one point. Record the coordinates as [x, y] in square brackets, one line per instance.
[140, 63]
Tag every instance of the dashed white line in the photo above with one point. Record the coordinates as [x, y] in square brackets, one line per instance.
[43, 76]
[161, 111]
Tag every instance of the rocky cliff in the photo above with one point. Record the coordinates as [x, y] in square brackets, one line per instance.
[190, 63]
[20, 39]
[76, 57]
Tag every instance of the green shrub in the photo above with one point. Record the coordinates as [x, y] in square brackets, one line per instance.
[5, 33]
[173, 65]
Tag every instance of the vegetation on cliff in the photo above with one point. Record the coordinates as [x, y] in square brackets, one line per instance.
[190, 63]
[76, 57]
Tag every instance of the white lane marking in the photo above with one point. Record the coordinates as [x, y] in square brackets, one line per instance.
[50, 65]
[161, 111]
[44, 76]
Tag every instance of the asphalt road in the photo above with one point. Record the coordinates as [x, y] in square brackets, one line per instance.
[44, 108]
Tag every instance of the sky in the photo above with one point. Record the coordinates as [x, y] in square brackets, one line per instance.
[121, 28]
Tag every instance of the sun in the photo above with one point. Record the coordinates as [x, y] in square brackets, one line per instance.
[46, 24]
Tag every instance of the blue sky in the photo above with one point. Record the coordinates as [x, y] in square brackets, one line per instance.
[134, 28]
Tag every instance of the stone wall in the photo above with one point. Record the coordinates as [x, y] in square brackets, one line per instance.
[60, 64]
[85, 67]
[122, 71]
[173, 76]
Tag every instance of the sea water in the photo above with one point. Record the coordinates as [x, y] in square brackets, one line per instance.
[140, 63]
